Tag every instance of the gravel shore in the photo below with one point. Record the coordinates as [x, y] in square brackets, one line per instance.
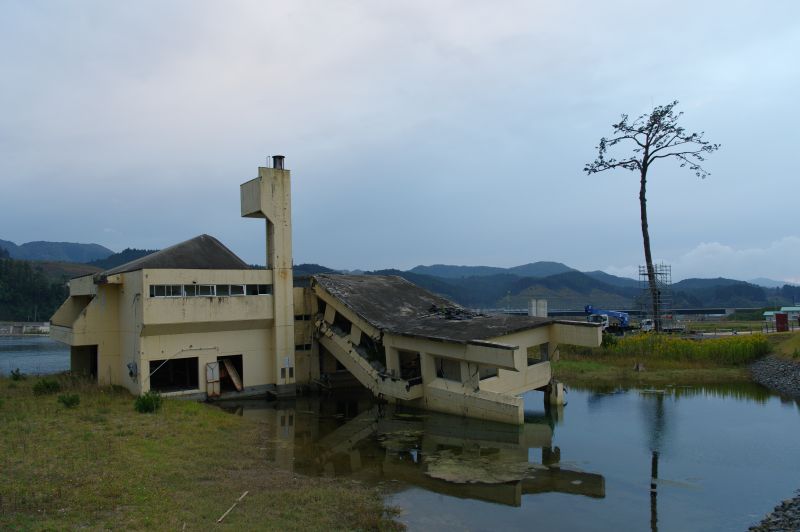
[785, 517]
[778, 374]
[783, 376]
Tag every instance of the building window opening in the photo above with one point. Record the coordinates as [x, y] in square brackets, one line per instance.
[231, 373]
[166, 290]
[448, 369]
[259, 289]
[487, 372]
[220, 290]
[538, 353]
[83, 360]
[372, 350]
[175, 375]
[342, 324]
[410, 368]
[205, 290]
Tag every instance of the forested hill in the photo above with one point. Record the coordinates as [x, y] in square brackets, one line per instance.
[571, 289]
[27, 292]
[56, 251]
[123, 257]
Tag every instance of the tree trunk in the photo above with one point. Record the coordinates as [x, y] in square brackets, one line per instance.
[648, 258]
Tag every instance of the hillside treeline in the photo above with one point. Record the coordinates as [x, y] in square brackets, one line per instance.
[26, 292]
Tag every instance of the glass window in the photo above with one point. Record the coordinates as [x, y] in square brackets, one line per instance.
[190, 290]
[237, 289]
[174, 290]
[205, 290]
[223, 290]
[264, 289]
[252, 290]
[161, 290]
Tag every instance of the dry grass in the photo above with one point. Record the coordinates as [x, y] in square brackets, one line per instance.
[101, 465]
[786, 345]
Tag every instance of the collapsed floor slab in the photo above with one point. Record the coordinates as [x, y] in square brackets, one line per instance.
[407, 344]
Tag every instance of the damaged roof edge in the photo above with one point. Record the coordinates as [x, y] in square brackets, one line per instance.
[394, 305]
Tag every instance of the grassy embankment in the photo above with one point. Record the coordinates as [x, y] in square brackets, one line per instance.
[723, 326]
[669, 360]
[101, 465]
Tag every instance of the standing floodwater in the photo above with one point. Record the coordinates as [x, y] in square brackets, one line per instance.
[699, 458]
[32, 355]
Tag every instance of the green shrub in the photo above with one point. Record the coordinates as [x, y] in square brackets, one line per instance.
[46, 387]
[70, 400]
[609, 340]
[148, 402]
[17, 375]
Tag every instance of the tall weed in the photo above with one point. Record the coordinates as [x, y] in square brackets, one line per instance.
[731, 351]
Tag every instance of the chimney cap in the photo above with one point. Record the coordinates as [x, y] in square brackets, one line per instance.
[277, 161]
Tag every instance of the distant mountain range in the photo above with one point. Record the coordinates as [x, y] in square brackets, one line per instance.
[473, 286]
[567, 288]
[769, 283]
[56, 251]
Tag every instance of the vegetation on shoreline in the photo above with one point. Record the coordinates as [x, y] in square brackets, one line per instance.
[665, 360]
[26, 292]
[97, 463]
[786, 345]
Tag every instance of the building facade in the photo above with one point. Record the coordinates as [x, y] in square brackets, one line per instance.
[196, 320]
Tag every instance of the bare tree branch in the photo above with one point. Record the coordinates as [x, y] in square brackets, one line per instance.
[656, 135]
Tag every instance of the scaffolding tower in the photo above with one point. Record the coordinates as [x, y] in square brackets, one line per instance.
[663, 275]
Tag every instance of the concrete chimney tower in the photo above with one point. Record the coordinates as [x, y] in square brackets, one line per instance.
[269, 196]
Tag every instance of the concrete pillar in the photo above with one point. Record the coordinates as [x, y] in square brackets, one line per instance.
[537, 307]
[552, 352]
[393, 361]
[554, 393]
[470, 377]
[427, 368]
[269, 197]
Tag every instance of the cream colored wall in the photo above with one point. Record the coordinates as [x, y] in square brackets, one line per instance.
[85, 320]
[82, 286]
[254, 345]
[129, 309]
[207, 327]
[565, 333]
[528, 377]
[203, 309]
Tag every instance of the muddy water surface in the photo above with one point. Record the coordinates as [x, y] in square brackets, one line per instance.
[678, 458]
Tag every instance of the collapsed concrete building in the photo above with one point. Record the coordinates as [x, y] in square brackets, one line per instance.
[196, 320]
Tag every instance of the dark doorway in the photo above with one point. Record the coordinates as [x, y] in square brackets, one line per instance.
[176, 375]
[227, 380]
[83, 360]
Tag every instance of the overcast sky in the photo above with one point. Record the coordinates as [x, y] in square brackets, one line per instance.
[417, 132]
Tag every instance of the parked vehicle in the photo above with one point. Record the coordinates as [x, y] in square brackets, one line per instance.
[620, 324]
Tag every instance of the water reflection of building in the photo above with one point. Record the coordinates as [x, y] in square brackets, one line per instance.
[353, 437]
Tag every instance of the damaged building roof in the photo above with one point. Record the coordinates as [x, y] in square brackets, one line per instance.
[393, 304]
[202, 252]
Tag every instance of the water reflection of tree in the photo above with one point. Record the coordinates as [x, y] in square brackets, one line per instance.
[656, 422]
